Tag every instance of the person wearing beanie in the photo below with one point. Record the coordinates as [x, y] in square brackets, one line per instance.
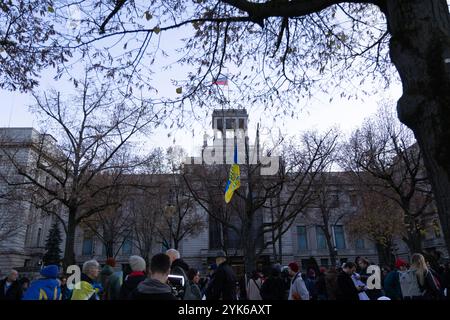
[298, 289]
[111, 281]
[46, 288]
[137, 275]
[391, 283]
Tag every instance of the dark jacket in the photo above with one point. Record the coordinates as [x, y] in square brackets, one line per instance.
[321, 287]
[151, 289]
[331, 284]
[346, 289]
[13, 293]
[273, 289]
[111, 283]
[223, 284]
[131, 282]
[391, 285]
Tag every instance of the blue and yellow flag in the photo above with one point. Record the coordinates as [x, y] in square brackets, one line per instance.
[234, 181]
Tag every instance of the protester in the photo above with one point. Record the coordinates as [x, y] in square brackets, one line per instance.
[10, 288]
[88, 288]
[223, 281]
[194, 293]
[273, 288]
[425, 278]
[391, 283]
[331, 283]
[346, 289]
[24, 284]
[137, 275]
[155, 287]
[310, 282]
[46, 288]
[321, 286]
[298, 289]
[111, 281]
[254, 284]
[180, 268]
[66, 293]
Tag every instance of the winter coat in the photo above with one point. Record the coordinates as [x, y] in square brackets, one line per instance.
[223, 284]
[298, 289]
[346, 289]
[391, 286]
[194, 293]
[43, 289]
[131, 282]
[273, 289]
[111, 283]
[331, 284]
[14, 292]
[321, 287]
[152, 289]
[88, 289]
[254, 289]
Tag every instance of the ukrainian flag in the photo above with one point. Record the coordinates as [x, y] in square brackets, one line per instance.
[234, 181]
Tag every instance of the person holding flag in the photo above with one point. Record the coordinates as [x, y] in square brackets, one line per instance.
[234, 180]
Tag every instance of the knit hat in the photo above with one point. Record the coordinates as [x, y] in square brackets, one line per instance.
[111, 262]
[293, 266]
[400, 263]
[50, 271]
[137, 263]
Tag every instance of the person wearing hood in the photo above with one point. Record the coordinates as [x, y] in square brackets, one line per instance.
[46, 288]
[391, 282]
[111, 281]
[88, 288]
[155, 287]
[136, 276]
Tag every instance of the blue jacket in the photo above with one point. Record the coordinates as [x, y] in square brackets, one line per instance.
[43, 289]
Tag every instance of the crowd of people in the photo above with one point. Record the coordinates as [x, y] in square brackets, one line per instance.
[170, 278]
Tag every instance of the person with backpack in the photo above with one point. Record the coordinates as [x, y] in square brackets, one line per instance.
[418, 283]
[391, 283]
[254, 284]
[47, 288]
[192, 289]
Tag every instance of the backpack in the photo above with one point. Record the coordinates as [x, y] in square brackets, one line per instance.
[409, 284]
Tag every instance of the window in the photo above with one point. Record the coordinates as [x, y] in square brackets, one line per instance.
[353, 200]
[320, 237]
[88, 245]
[339, 237]
[230, 123]
[219, 125]
[38, 239]
[302, 239]
[127, 245]
[324, 262]
[333, 201]
[359, 244]
[241, 123]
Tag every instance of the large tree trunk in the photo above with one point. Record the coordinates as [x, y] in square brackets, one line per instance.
[69, 254]
[420, 50]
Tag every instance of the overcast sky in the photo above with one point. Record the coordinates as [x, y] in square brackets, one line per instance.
[316, 113]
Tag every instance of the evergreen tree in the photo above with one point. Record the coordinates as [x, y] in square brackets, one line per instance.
[52, 246]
